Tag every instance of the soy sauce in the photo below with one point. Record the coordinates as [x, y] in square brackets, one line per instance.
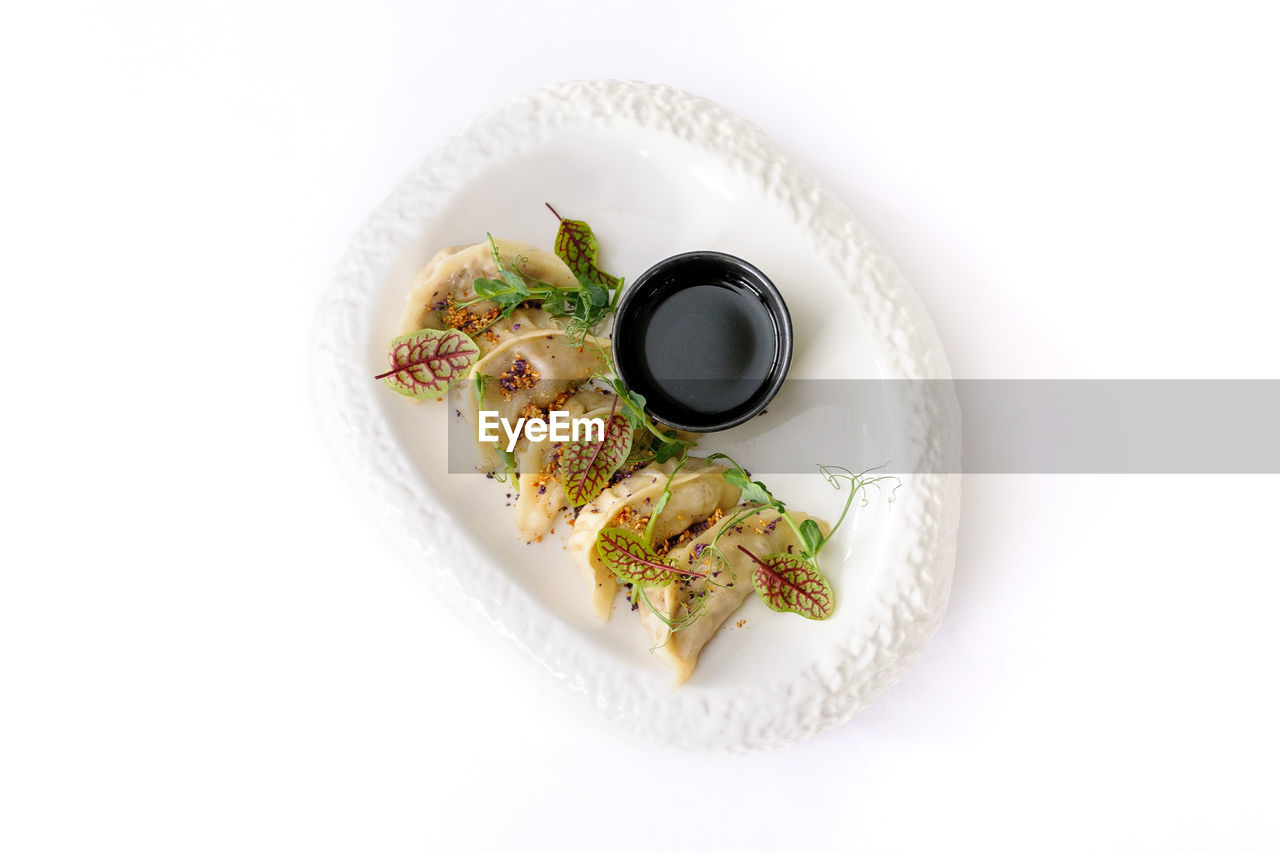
[705, 337]
[707, 349]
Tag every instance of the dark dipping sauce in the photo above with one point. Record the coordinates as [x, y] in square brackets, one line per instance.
[705, 338]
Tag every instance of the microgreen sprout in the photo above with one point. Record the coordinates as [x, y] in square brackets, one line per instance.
[802, 568]
[662, 501]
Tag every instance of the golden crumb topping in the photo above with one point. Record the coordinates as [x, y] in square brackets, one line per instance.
[468, 321]
[518, 376]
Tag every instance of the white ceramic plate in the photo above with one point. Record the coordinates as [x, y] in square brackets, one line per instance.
[655, 171]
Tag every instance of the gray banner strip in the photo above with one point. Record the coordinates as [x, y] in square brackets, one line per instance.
[1009, 426]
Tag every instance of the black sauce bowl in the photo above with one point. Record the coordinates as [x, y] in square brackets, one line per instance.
[705, 337]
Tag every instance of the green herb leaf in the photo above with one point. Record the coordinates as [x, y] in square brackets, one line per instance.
[627, 556]
[515, 281]
[663, 499]
[576, 245]
[429, 361]
[503, 292]
[560, 303]
[585, 466]
[666, 450]
[508, 465]
[487, 287]
[812, 536]
[752, 492]
[597, 295]
[586, 305]
[788, 583]
[634, 409]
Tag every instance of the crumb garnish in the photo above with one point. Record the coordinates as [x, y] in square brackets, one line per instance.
[518, 376]
[468, 321]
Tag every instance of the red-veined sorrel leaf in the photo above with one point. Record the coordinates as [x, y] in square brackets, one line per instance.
[585, 466]
[576, 245]
[787, 583]
[429, 361]
[626, 555]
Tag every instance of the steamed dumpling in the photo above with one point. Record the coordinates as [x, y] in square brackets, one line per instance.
[452, 272]
[524, 376]
[595, 516]
[534, 368]
[541, 496]
[722, 592]
[697, 491]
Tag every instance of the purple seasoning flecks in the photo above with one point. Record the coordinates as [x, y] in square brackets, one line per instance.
[621, 474]
[700, 527]
[517, 377]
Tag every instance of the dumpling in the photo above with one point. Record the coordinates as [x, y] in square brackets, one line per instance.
[697, 491]
[452, 272]
[525, 376]
[541, 496]
[715, 598]
[521, 321]
[534, 369]
[595, 516]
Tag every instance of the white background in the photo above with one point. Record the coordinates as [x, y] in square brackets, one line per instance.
[206, 643]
